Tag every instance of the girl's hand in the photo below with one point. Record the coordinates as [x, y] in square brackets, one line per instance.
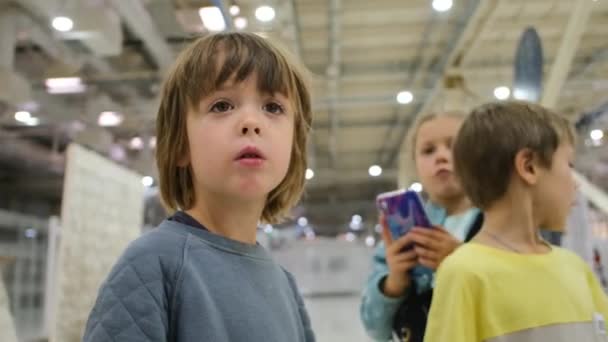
[433, 245]
[399, 262]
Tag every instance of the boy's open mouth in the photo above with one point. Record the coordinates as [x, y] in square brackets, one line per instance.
[250, 152]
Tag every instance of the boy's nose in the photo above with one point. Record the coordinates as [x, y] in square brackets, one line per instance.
[247, 130]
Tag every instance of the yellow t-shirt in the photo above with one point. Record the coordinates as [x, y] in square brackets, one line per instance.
[490, 295]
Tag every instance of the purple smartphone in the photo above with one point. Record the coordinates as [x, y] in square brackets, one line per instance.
[402, 210]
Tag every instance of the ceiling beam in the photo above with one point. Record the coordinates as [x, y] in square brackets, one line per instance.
[139, 21]
[565, 55]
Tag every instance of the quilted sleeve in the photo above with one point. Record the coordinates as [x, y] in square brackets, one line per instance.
[134, 302]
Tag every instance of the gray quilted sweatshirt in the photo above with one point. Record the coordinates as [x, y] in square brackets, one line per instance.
[182, 284]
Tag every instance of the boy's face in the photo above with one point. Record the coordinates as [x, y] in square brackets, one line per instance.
[240, 142]
[433, 155]
[556, 189]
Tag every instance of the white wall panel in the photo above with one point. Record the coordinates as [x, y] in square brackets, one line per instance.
[102, 211]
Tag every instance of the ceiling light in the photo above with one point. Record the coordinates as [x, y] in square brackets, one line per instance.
[26, 118]
[240, 23]
[235, 10]
[64, 85]
[212, 18]
[442, 5]
[356, 222]
[597, 134]
[62, 24]
[378, 228]
[309, 174]
[147, 181]
[502, 93]
[31, 233]
[109, 119]
[302, 221]
[522, 94]
[22, 116]
[264, 13]
[370, 241]
[375, 170]
[32, 121]
[268, 229]
[136, 143]
[405, 97]
[416, 187]
[350, 237]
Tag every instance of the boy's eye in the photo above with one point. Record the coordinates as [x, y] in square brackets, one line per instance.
[274, 108]
[221, 107]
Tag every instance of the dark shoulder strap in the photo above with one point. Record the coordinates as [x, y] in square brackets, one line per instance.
[475, 228]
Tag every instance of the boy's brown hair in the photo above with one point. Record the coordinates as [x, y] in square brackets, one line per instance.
[492, 135]
[203, 67]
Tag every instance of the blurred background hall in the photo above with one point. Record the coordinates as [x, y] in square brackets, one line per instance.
[79, 88]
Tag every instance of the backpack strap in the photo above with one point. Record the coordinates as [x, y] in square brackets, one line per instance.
[475, 228]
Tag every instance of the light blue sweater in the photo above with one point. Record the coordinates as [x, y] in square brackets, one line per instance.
[183, 284]
[377, 310]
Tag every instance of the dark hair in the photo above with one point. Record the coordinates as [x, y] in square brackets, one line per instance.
[492, 135]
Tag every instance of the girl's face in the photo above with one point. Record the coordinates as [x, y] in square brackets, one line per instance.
[433, 157]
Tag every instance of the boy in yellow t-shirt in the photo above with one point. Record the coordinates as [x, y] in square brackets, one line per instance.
[514, 160]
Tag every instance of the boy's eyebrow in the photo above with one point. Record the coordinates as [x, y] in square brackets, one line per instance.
[224, 86]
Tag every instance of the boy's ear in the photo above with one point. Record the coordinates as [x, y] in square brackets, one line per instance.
[526, 166]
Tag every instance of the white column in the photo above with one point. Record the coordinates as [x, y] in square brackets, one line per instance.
[567, 50]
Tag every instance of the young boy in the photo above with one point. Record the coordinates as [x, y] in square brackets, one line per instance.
[514, 160]
[231, 150]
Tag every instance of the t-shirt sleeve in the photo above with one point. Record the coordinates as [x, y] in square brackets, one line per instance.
[453, 315]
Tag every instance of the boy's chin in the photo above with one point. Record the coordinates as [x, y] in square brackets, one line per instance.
[557, 227]
[555, 230]
[252, 192]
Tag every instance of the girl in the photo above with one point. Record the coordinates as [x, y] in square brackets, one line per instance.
[390, 306]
